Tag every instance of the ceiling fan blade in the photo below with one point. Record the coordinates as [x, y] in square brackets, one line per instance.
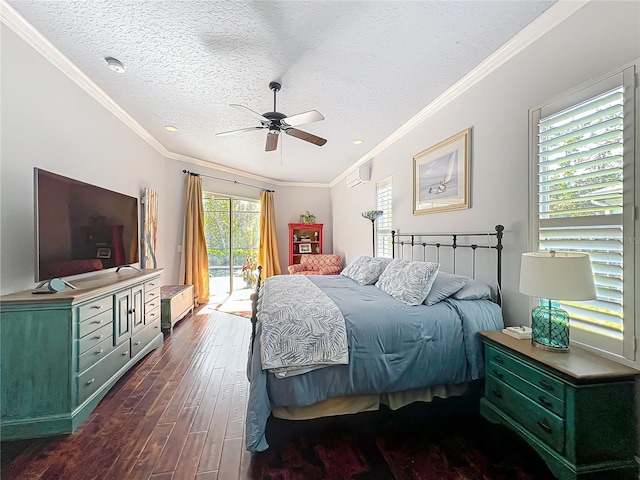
[302, 118]
[231, 132]
[306, 136]
[272, 141]
[242, 108]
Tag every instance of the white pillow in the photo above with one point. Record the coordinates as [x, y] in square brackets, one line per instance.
[367, 270]
[408, 281]
[445, 285]
[352, 269]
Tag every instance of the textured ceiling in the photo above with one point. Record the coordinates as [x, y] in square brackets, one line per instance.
[368, 67]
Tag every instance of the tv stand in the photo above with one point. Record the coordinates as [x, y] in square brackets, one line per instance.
[127, 266]
[61, 354]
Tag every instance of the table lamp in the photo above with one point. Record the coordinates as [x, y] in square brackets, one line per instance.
[555, 276]
[373, 215]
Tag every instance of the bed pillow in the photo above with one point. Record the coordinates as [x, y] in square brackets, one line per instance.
[367, 271]
[473, 290]
[352, 269]
[445, 285]
[408, 281]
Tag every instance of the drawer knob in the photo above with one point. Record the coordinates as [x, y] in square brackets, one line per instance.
[137, 343]
[499, 360]
[89, 382]
[497, 393]
[498, 375]
[544, 427]
[98, 338]
[97, 307]
[544, 402]
[98, 352]
[98, 321]
[545, 385]
[124, 354]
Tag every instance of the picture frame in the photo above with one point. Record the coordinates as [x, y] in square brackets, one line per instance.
[442, 176]
[103, 252]
[305, 248]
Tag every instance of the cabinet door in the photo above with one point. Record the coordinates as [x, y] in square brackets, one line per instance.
[122, 319]
[137, 308]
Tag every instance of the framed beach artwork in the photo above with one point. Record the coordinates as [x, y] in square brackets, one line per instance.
[441, 176]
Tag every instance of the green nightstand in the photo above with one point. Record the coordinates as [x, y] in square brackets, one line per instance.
[575, 409]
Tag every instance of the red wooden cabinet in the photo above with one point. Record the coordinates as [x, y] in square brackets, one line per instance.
[304, 238]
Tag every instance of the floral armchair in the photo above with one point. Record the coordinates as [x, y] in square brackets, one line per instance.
[317, 265]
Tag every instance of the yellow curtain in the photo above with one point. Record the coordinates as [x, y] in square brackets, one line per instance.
[268, 252]
[194, 265]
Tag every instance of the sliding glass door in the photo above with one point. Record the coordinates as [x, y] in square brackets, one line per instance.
[232, 232]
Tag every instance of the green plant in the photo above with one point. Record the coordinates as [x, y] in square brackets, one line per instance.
[307, 217]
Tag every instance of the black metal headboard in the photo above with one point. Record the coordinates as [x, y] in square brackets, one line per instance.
[422, 240]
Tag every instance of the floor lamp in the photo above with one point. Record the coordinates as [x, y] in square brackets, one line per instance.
[373, 215]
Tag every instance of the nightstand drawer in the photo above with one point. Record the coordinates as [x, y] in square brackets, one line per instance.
[549, 384]
[151, 294]
[533, 417]
[538, 395]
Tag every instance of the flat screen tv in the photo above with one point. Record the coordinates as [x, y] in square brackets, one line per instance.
[81, 228]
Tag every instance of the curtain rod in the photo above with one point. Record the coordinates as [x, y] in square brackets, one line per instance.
[227, 180]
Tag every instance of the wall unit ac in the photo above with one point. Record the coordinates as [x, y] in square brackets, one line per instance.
[362, 174]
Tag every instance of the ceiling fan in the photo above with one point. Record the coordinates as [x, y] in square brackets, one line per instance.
[278, 122]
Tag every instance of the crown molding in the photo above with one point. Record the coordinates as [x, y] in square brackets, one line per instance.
[552, 17]
[14, 21]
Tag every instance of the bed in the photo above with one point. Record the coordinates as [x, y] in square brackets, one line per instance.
[341, 344]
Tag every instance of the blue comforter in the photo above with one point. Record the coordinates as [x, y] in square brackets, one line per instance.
[392, 347]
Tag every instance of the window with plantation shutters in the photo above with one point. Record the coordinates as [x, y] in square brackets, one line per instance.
[384, 203]
[584, 196]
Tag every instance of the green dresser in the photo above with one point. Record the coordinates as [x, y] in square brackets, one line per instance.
[575, 409]
[62, 352]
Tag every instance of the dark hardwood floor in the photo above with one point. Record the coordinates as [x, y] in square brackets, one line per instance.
[178, 414]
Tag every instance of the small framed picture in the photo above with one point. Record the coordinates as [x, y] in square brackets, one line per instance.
[103, 252]
[305, 248]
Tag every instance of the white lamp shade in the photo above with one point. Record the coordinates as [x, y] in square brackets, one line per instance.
[557, 276]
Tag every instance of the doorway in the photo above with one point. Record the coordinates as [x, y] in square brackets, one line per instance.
[232, 233]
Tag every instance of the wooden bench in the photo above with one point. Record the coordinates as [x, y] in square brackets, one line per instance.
[176, 303]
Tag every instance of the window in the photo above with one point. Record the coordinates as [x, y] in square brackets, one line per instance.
[583, 191]
[384, 197]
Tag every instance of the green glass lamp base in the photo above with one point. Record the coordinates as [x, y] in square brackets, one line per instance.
[550, 329]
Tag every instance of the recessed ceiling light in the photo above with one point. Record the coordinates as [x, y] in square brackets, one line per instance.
[170, 128]
[358, 142]
[115, 64]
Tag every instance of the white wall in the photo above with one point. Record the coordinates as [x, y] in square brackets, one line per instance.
[597, 38]
[49, 122]
[290, 203]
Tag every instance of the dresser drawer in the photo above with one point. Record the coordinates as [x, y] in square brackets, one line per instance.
[547, 383]
[94, 354]
[91, 380]
[537, 394]
[91, 324]
[545, 425]
[94, 338]
[151, 316]
[151, 285]
[151, 294]
[152, 304]
[142, 338]
[91, 309]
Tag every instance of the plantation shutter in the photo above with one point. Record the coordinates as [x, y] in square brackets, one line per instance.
[384, 203]
[580, 186]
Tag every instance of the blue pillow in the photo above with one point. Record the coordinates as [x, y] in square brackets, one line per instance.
[445, 285]
[408, 281]
[473, 290]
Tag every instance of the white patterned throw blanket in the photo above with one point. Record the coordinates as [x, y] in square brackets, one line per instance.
[302, 328]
